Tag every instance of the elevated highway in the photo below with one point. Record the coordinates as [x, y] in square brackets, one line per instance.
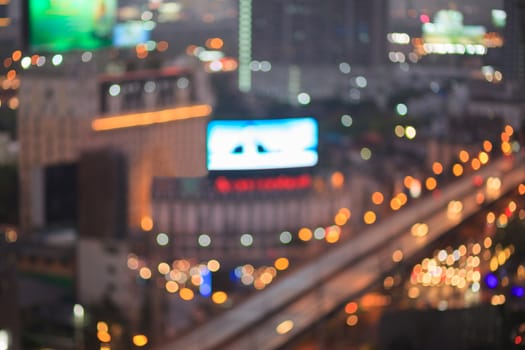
[276, 315]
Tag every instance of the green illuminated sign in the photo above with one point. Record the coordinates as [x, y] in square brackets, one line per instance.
[448, 28]
[499, 18]
[64, 25]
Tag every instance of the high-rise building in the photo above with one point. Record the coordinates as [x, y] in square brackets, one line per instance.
[315, 31]
[60, 120]
[514, 49]
[297, 42]
[9, 23]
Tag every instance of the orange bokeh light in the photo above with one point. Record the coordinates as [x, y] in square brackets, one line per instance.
[103, 336]
[11, 74]
[351, 307]
[464, 156]
[487, 146]
[140, 340]
[509, 130]
[333, 234]
[430, 183]
[149, 118]
[162, 46]
[186, 294]
[215, 43]
[407, 181]
[337, 179]
[146, 223]
[395, 203]
[457, 169]
[369, 217]
[340, 219]
[17, 55]
[475, 163]
[506, 148]
[219, 297]
[437, 168]
[377, 198]
[305, 234]
[281, 263]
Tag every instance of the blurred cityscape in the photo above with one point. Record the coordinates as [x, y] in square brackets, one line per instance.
[262, 174]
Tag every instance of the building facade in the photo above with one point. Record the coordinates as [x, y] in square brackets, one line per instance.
[313, 31]
[514, 49]
[298, 44]
[70, 110]
[225, 219]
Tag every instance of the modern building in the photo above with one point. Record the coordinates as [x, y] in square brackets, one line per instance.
[241, 218]
[294, 44]
[89, 152]
[514, 49]
[153, 118]
[10, 20]
[319, 32]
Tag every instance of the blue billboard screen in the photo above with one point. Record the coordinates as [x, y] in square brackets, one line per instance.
[129, 34]
[262, 144]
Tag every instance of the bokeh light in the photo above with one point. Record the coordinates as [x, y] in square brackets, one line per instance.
[219, 297]
[369, 217]
[285, 237]
[204, 240]
[305, 234]
[437, 168]
[401, 109]
[365, 153]
[146, 223]
[162, 239]
[213, 265]
[246, 240]
[377, 198]
[186, 294]
[140, 340]
[281, 263]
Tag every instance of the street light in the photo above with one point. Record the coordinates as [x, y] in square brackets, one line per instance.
[78, 321]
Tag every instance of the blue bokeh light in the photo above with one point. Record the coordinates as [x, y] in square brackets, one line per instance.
[517, 291]
[491, 281]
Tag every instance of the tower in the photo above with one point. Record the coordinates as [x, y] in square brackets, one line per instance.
[315, 31]
[514, 48]
[287, 46]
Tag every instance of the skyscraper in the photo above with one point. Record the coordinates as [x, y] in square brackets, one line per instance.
[315, 31]
[9, 23]
[298, 41]
[514, 48]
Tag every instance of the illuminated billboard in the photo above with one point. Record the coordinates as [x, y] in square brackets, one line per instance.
[448, 28]
[448, 35]
[129, 34]
[64, 25]
[262, 144]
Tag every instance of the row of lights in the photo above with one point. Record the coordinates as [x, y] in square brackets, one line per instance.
[104, 331]
[104, 336]
[413, 185]
[261, 277]
[460, 268]
[181, 276]
[25, 62]
[457, 267]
